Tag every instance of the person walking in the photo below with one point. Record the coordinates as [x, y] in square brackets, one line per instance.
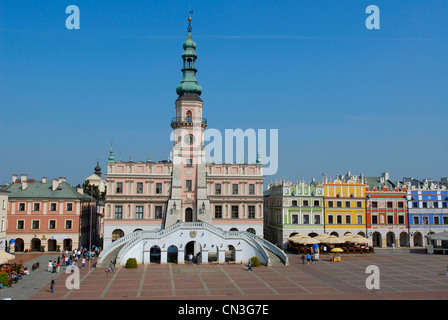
[111, 267]
[190, 257]
[308, 258]
[303, 259]
[249, 265]
[50, 266]
[52, 285]
[83, 262]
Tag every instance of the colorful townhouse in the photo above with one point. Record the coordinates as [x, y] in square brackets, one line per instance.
[345, 205]
[46, 215]
[293, 208]
[3, 218]
[428, 209]
[386, 212]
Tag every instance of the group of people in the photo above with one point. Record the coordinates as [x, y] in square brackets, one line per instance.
[70, 258]
[308, 257]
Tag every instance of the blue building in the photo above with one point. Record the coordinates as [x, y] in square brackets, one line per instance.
[428, 210]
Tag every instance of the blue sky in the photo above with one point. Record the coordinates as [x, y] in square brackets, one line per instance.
[342, 97]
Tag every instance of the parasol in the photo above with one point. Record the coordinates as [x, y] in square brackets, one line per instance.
[337, 250]
[306, 240]
[5, 256]
[333, 240]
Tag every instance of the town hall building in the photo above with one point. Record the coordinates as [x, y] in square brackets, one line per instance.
[163, 211]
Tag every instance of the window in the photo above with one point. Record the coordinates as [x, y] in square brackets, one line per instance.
[436, 220]
[69, 206]
[445, 220]
[374, 204]
[339, 219]
[390, 219]
[330, 204]
[359, 219]
[294, 203]
[330, 219]
[118, 212]
[251, 212]
[188, 185]
[305, 203]
[306, 219]
[347, 204]
[217, 188]
[400, 219]
[138, 212]
[188, 162]
[416, 220]
[158, 188]
[316, 203]
[234, 188]
[52, 224]
[295, 219]
[35, 224]
[36, 207]
[415, 204]
[53, 206]
[444, 204]
[436, 204]
[4, 204]
[348, 219]
[425, 220]
[389, 204]
[234, 212]
[339, 204]
[425, 204]
[119, 188]
[68, 224]
[358, 204]
[20, 224]
[21, 206]
[374, 219]
[316, 219]
[218, 212]
[158, 212]
[139, 187]
[400, 204]
[251, 189]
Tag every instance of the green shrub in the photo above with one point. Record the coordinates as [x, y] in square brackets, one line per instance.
[4, 278]
[255, 261]
[131, 263]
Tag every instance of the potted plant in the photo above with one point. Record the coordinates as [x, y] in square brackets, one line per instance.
[58, 247]
[42, 248]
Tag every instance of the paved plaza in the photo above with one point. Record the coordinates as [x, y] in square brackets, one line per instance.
[402, 276]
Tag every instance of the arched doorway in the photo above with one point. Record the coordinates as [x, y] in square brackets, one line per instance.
[20, 245]
[35, 244]
[188, 215]
[52, 244]
[313, 234]
[68, 245]
[172, 253]
[376, 239]
[194, 248]
[404, 239]
[334, 233]
[418, 239]
[230, 253]
[390, 239]
[154, 254]
[233, 229]
[117, 234]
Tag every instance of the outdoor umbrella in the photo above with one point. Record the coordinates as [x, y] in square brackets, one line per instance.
[306, 240]
[321, 237]
[332, 240]
[337, 250]
[5, 256]
[295, 237]
[347, 237]
[359, 239]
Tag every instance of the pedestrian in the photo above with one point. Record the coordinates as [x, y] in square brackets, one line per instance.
[249, 265]
[50, 265]
[190, 257]
[111, 267]
[58, 266]
[303, 259]
[447, 270]
[52, 285]
[308, 258]
[83, 262]
[393, 245]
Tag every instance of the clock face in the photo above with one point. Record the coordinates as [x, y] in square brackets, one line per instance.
[189, 138]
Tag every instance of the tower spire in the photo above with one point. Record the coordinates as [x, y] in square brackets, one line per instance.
[189, 85]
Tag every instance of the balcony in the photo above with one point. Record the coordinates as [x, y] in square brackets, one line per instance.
[187, 121]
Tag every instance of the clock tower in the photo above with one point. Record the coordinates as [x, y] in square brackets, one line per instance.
[188, 202]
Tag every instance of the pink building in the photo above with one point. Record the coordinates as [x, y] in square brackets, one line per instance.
[46, 215]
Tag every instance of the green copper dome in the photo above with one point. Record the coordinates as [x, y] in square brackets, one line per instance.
[189, 85]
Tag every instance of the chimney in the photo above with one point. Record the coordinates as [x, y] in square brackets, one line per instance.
[23, 177]
[62, 179]
[44, 179]
[24, 184]
[55, 184]
[80, 190]
[14, 178]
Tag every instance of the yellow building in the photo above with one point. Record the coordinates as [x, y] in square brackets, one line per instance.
[345, 205]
